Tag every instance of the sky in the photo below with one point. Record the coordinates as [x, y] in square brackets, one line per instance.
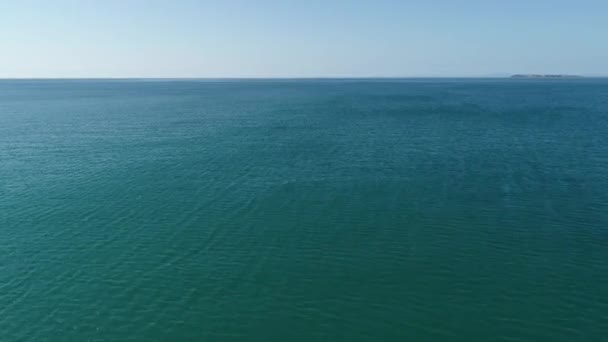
[301, 38]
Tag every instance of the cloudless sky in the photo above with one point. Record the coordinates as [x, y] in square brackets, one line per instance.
[301, 38]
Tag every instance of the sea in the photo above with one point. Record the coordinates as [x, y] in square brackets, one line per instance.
[304, 210]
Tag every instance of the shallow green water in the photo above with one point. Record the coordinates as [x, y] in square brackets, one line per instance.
[317, 210]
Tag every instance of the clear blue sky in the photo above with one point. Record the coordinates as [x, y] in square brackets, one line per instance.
[301, 38]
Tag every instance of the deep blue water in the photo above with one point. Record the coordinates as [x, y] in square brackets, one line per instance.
[304, 210]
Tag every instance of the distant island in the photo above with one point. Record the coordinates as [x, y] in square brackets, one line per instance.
[544, 76]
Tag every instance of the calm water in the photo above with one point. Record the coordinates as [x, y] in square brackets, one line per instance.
[318, 210]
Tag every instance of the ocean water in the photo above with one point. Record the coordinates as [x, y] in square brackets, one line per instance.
[304, 210]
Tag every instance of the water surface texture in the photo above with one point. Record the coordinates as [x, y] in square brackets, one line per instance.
[304, 210]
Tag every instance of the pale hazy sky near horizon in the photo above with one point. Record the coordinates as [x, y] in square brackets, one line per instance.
[305, 38]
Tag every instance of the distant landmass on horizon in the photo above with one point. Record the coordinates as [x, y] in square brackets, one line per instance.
[544, 76]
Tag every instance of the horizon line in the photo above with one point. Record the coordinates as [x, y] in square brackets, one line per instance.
[276, 77]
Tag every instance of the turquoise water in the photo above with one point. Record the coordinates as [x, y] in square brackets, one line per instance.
[310, 210]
